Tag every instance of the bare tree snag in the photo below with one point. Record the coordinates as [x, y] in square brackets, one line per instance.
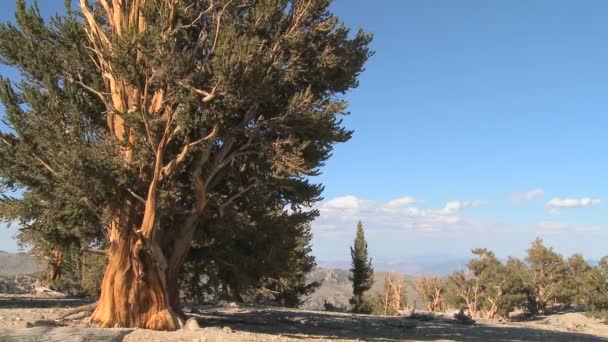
[431, 291]
[394, 293]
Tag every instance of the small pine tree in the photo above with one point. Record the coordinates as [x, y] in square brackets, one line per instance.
[362, 273]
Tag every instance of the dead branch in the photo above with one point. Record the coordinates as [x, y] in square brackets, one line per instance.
[139, 198]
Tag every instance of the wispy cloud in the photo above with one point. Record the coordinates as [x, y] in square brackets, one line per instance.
[556, 203]
[401, 201]
[566, 227]
[521, 197]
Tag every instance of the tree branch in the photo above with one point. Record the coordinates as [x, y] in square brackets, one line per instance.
[168, 169]
[139, 198]
[207, 96]
[217, 27]
[231, 199]
[92, 90]
[46, 166]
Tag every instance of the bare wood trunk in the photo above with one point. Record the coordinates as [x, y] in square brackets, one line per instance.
[133, 293]
[492, 312]
[56, 265]
[140, 287]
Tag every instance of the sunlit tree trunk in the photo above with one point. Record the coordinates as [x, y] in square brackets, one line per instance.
[133, 291]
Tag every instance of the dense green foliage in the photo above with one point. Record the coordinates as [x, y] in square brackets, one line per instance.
[362, 273]
[263, 257]
[542, 282]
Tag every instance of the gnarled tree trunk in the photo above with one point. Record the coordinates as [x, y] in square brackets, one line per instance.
[133, 291]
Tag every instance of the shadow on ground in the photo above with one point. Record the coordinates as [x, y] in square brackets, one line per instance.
[303, 324]
[41, 303]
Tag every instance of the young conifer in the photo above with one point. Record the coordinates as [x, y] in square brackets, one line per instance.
[362, 273]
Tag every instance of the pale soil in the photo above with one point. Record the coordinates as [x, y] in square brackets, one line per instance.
[277, 324]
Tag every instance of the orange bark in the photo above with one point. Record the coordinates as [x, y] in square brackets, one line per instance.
[140, 286]
[133, 293]
[56, 265]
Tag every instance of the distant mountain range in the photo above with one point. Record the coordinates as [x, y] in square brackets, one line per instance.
[336, 288]
[17, 263]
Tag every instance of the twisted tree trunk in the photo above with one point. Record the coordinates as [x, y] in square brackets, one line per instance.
[134, 291]
[140, 286]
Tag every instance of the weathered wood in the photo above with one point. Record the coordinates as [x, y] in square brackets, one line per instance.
[62, 334]
[89, 308]
[46, 292]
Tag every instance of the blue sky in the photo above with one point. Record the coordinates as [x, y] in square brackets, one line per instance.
[475, 100]
[487, 119]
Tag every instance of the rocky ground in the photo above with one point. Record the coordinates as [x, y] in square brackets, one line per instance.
[278, 324]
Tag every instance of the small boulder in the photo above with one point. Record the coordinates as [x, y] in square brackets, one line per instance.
[192, 325]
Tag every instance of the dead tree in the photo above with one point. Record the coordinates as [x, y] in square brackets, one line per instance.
[431, 290]
[394, 293]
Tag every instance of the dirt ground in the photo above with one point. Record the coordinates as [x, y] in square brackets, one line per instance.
[279, 324]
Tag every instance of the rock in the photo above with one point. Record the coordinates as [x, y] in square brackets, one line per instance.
[227, 329]
[192, 325]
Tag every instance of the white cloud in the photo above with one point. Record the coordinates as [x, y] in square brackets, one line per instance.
[398, 202]
[520, 197]
[568, 203]
[456, 206]
[344, 202]
[341, 213]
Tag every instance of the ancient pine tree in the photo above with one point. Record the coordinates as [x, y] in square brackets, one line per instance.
[135, 120]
